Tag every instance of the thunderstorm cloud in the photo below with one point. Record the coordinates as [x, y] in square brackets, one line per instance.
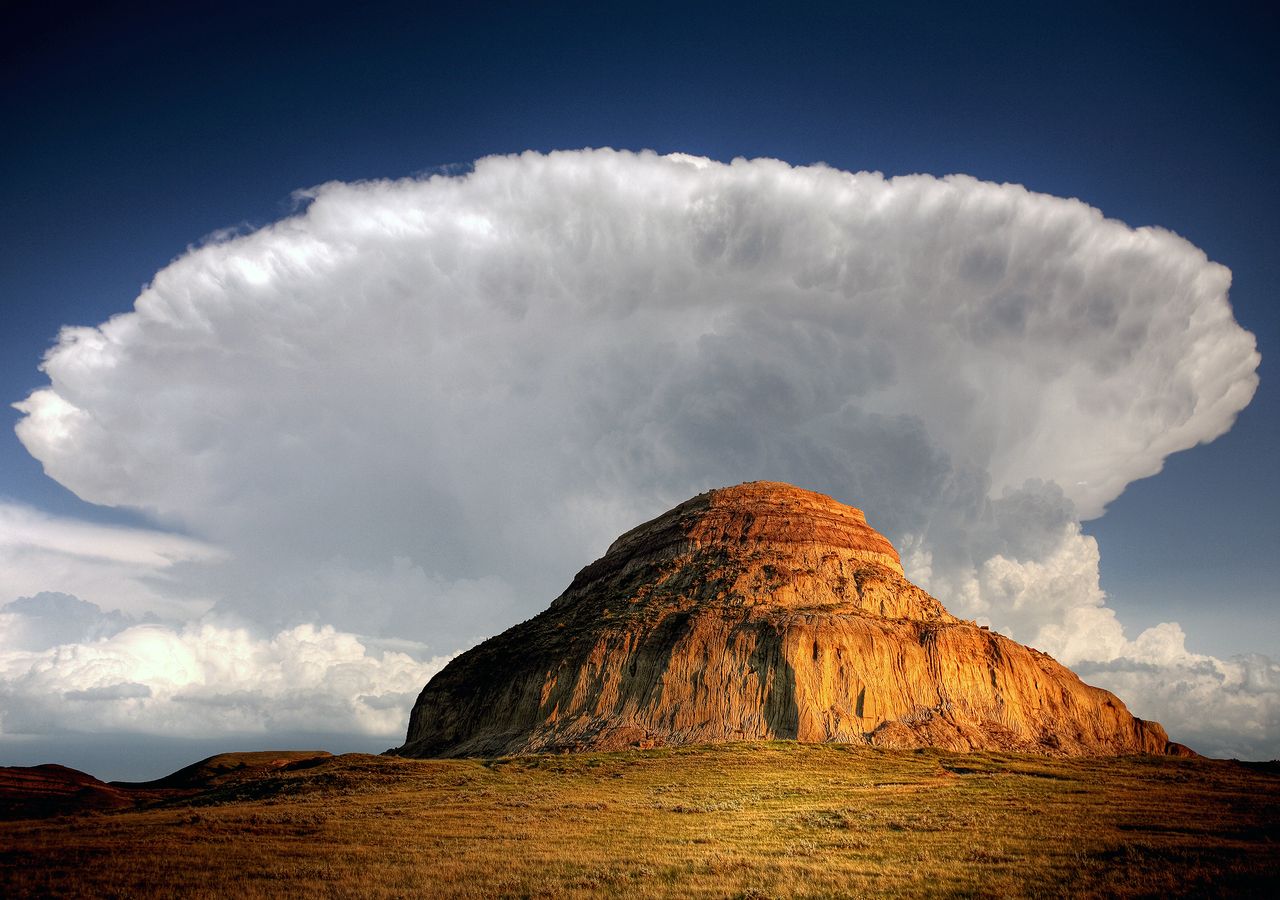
[416, 407]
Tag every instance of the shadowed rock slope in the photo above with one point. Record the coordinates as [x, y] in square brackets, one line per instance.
[760, 612]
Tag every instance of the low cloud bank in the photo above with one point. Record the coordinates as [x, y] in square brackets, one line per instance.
[416, 407]
[99, 671]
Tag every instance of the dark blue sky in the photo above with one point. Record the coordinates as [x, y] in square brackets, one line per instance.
[135, 131]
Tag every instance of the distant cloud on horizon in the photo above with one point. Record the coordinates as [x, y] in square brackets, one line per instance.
[416, 407]
[194, 680]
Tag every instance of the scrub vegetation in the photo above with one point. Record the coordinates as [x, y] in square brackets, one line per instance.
[748, 820]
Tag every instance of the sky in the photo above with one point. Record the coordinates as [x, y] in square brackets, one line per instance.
[339, 339]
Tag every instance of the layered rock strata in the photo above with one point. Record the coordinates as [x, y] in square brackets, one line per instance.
[760, 612]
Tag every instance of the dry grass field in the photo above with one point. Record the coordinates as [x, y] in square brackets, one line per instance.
[752, 820]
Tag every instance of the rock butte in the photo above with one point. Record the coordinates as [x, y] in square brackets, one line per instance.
[760, 612]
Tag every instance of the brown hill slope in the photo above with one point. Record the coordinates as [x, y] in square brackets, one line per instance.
[760, 612]
[33, 792]
[29, 792]
[733, 820]
[218, 769]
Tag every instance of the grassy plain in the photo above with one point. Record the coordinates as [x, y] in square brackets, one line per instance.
[749, 821]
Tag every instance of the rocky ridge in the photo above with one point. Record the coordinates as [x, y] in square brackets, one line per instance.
[760, 612]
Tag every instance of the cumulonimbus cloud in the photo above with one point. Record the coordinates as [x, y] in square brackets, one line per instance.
[417, 406]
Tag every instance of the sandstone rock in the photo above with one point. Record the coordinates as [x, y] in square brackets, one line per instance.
[760, 612]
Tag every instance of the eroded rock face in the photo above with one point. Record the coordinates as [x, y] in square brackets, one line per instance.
[760, 612]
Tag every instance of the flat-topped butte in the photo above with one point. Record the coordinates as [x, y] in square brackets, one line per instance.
[760, 612]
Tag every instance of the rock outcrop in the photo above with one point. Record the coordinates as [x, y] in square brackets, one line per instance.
[760, 612]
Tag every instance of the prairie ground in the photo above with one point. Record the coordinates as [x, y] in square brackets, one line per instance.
[750, 820]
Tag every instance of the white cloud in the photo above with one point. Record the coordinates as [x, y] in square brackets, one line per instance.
[1225, 708]
[418, 406]
[205, 678]
[1228, 708]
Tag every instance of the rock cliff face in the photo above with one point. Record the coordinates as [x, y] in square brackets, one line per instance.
[760, 612]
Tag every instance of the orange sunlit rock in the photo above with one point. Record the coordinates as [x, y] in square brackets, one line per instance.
[760, 612]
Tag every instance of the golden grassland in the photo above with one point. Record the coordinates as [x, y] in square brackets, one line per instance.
[749, 820]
